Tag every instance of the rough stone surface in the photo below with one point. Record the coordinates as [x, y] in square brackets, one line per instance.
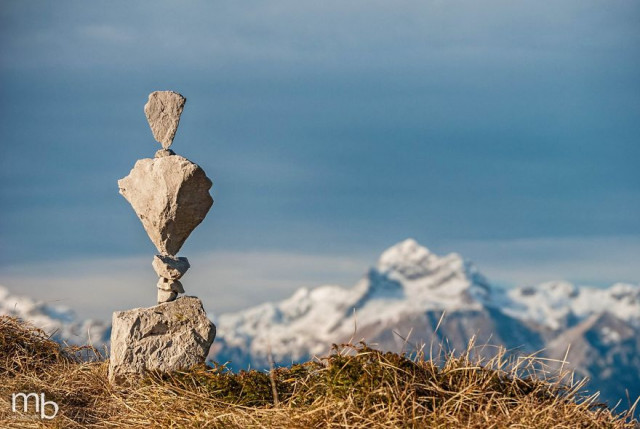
[166, 295]
[171, 197]
[167, 337]
[169, 284]
[170, 267]
[164, 152]
[176, 286]
[163, 112]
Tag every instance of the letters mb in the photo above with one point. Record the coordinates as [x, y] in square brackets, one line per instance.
[40, 403]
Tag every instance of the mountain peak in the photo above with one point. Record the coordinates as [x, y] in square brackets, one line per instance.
[407, 258]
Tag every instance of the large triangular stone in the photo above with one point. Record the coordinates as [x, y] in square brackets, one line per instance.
[171, 197]
[163, 112]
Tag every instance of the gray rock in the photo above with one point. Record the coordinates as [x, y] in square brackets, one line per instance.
[163, 112]
[171, 197]
[170, 267]
[166, 295]
[168, 337]
[176, 286]
[169, 284]
[164, 152]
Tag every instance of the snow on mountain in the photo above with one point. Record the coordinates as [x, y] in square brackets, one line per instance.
[408, 279]
[412, 297]
[57, 321]
[556, 304]
[408, 291]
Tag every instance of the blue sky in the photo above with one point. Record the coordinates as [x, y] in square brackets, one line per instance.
[506, 131]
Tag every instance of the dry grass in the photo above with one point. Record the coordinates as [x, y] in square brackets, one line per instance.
[355, 386]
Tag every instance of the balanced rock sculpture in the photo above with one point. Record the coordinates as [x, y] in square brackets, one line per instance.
[170, 196]
[169, 193]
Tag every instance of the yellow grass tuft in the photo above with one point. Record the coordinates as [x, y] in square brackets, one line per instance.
[355, 386]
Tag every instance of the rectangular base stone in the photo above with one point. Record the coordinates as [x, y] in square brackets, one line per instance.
[168, 337]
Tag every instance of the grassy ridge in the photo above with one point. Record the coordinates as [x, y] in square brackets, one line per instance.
[355, 386]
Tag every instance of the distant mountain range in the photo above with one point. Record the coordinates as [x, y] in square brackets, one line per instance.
[406, 294]
[399, 304]
[59, 322]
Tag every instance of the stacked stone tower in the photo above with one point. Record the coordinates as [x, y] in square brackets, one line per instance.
[170, 196]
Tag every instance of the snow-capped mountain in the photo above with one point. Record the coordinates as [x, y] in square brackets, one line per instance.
[59, 322]
[412, 297]
[406, 294]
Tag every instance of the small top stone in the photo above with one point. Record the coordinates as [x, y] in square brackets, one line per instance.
[163, 112]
